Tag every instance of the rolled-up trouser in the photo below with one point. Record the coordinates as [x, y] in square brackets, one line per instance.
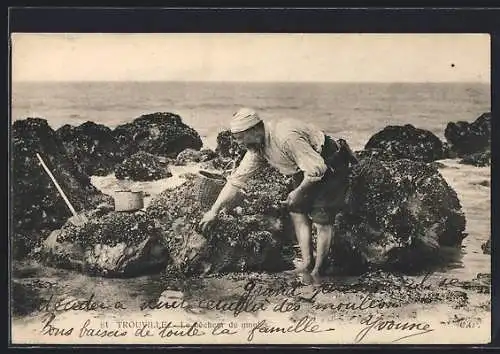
[326, 198]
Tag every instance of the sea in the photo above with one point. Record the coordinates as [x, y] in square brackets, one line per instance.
[353, 111]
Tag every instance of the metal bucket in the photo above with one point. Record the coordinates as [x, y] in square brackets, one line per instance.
[209, 187]
[126, 200]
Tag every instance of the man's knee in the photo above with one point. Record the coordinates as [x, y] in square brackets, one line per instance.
[299, 217]
[323, 229]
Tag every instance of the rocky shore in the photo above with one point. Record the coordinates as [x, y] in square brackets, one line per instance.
[400, 212]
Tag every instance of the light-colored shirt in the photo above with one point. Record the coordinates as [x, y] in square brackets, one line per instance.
[290, 146]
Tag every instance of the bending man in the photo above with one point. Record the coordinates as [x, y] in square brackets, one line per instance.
[318, 166]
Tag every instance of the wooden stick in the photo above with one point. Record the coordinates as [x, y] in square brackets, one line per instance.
[73, 211]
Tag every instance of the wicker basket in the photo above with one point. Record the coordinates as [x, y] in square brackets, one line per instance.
[209, 186]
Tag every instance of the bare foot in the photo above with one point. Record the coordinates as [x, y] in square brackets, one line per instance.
[302, 267]
[306, 278]
[315, 276]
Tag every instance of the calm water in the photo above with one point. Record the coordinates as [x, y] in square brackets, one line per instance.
[354, 111]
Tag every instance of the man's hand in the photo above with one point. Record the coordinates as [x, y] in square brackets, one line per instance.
[207, 219]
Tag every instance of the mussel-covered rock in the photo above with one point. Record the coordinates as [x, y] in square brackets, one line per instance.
[398, 214]
[468, 138]
[158, 133]
[375, 153]
[407, 142]
[227, 147]
[478, 159]
[248, 237]
[191, 155]
[142, 166]
[36, 202]
[92, 146]
[108, 244]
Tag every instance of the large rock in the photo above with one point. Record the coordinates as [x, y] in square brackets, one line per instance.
[92, 146]
[246, 237]
[37, 206]
[398, 214]
[467, 138]
[142, 166]
[159, 133]
[408, 142]
[108, 244]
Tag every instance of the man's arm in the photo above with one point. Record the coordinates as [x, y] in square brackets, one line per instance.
[309, 161]
[226, 195]
[235, 182]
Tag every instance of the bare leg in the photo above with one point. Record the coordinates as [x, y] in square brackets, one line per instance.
[302, 226]
[323, 243]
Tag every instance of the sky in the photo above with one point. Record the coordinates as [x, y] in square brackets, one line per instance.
[251, 57]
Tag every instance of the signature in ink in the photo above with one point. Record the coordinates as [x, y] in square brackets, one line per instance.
[409, 329]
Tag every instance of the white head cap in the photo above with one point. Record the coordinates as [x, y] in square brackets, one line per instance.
[244, 119]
